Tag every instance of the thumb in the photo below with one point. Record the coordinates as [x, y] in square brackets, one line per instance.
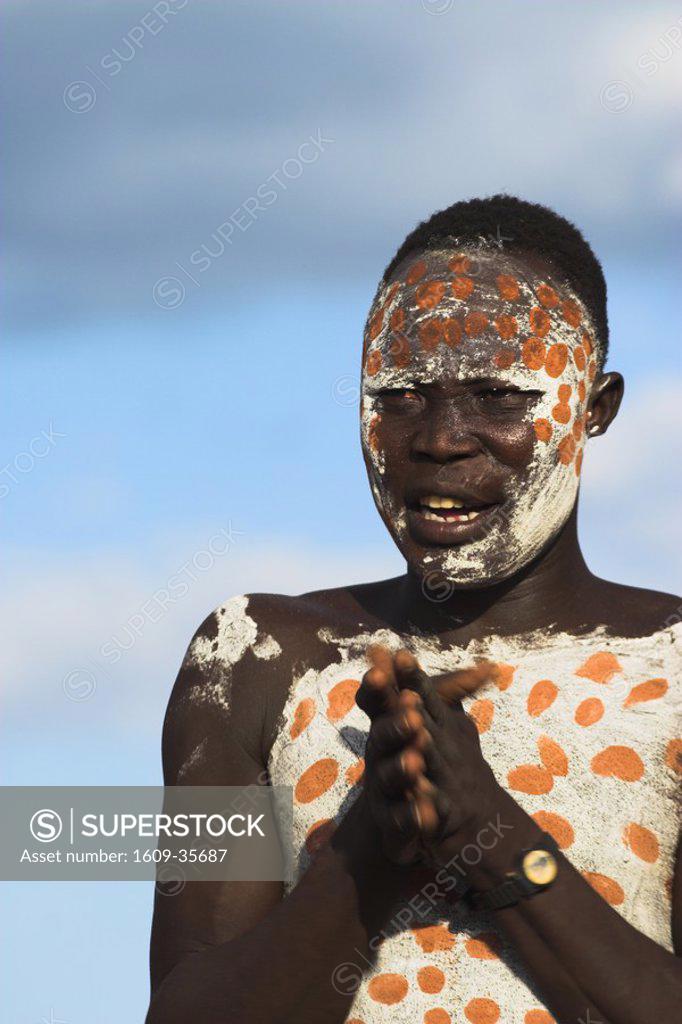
[453, 686]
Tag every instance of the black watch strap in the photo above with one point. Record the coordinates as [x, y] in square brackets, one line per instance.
[536, 869]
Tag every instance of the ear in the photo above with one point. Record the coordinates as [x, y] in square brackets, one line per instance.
[605, 398]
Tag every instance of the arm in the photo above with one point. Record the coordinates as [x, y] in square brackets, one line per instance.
[624, 976]
[590, 964]
[223, 952]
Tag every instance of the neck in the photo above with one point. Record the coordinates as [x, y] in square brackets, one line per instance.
[549, 591]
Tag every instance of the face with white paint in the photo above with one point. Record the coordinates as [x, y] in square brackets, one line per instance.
[477, 372]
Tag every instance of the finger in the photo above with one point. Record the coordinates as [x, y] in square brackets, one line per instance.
[410, 675]
[380, 657]
[453, 686]
[428, 819]
[424, 725]
[396, 819]
[376, 694]
[405, 852]
[389, 733]
[395, 776]
[436, 768]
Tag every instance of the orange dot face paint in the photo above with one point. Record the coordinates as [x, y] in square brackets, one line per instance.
[399, 350]
[397, 320]
[504, 358]
[506, 326]
[459, 264]
[571, 312]
[462, 287]
[375, 325]
[557, 357]
[546, 296]
[415, 272]
[540, 322]
[543, 429]
[533, 353]
[510, 355]
[475, 323]
[452, 332]
[430, 334]
[373, 363]
[508, 287]
[430, 294]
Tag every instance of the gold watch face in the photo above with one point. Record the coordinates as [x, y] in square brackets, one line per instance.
[539, 867]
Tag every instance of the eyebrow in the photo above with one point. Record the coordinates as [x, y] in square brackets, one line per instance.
[499, 381]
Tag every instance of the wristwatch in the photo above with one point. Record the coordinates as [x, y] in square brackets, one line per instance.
[536, 869]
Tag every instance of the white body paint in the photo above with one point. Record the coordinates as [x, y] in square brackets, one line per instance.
[237, 633]
[598, 808]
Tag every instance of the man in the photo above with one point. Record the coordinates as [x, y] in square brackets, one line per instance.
[514, 863]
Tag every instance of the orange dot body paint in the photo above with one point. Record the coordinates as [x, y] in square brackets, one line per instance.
[571, 723]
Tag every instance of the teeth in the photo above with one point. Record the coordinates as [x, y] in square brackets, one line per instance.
[463, 518]
[435, 501]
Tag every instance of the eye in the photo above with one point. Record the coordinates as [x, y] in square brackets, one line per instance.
[505, 399]
[400, 400]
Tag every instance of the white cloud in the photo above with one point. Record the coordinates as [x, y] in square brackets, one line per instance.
[423, 110]
[93, 623]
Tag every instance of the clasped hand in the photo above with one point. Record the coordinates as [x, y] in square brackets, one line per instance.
[427, 784]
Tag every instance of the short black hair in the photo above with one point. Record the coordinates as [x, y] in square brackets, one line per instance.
[519, 226]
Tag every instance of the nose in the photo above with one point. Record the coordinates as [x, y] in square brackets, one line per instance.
[445, 434]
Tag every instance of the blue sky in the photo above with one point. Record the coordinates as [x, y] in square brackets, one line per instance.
[237, 408]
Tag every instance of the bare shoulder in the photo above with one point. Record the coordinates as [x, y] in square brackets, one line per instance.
[636, 611]
[237, 672]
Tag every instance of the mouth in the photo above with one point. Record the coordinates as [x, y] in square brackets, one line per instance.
[437, 519]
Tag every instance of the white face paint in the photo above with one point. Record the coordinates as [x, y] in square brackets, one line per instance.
[450, 319]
